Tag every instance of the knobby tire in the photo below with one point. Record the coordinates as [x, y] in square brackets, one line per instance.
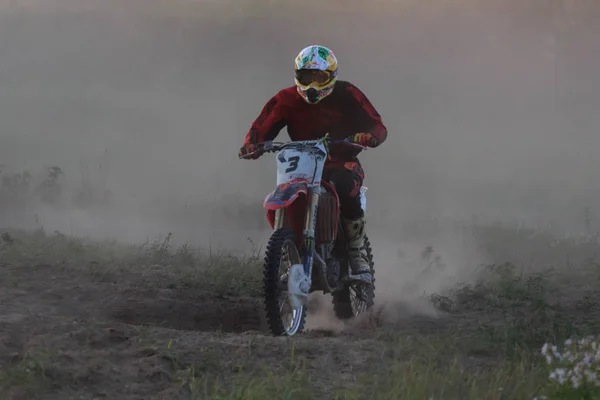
[342, 300]
[272, 289]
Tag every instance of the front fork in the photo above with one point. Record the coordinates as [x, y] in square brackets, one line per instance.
[309, 231]
[310, 223]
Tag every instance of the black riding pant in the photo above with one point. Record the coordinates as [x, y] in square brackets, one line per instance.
[347, 183]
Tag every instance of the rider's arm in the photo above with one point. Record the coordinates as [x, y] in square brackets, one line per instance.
[269, 122]
[367, 118]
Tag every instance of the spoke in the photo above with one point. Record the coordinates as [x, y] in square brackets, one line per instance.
[289, 317]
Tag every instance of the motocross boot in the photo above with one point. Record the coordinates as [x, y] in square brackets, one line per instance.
[357, 251]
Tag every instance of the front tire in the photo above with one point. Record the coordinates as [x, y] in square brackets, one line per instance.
[280, 255]
[347, 302]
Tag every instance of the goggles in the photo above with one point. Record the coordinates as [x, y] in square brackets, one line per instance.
[308, 76]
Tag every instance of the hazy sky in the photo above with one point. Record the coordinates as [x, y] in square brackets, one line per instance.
[491, 109]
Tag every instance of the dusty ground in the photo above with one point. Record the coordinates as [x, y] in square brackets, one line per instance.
[68, 332]
[81, 320]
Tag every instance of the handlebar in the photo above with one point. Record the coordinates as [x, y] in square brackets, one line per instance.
[270, 146]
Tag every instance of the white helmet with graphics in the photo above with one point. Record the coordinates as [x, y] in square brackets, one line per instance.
[316, 73]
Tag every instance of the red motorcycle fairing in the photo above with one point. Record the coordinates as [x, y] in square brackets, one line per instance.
[328, 214]
[285, 194]
[293, 196]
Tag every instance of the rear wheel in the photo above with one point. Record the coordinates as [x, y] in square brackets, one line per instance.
[356, 298]
[281, 254]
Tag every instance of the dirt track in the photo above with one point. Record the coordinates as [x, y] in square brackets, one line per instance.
[110, 338]
[80, 320]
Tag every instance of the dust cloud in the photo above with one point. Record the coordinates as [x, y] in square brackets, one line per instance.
[491, 109]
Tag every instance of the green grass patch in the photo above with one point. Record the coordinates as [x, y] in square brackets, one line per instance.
[156, 264]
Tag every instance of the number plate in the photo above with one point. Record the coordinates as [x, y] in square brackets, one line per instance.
[294, 164]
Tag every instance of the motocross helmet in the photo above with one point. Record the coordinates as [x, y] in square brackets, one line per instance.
[316, 73]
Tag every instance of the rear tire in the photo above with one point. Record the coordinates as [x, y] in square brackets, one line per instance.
[281, 249]
[345, 303]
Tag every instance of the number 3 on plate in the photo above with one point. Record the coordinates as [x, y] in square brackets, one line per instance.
[293, 164]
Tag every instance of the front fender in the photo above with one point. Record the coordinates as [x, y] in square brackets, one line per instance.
[285, 194]
[293, 196]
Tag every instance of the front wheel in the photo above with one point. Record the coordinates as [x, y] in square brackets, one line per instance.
[355, 297]
[281, 254]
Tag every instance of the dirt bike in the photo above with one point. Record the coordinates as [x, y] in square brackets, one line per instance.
[303, 212]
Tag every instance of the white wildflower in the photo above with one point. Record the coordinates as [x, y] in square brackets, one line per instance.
[577, 363]
[545, 349]
[560, 375]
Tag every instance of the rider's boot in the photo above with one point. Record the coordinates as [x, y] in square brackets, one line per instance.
[359, 260]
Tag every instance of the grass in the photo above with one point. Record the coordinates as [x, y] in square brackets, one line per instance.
[485, 342]
[155, 264]
[26, 376]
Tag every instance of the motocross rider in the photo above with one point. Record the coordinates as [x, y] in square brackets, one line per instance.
[320, 104]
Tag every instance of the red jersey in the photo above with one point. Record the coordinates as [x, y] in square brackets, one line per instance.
[344, 112]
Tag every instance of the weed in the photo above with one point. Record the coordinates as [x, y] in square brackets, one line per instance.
[484, 343]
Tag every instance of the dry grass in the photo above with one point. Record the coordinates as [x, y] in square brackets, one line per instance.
[104, 320]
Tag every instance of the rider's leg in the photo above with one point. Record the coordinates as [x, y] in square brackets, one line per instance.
[348, 182]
